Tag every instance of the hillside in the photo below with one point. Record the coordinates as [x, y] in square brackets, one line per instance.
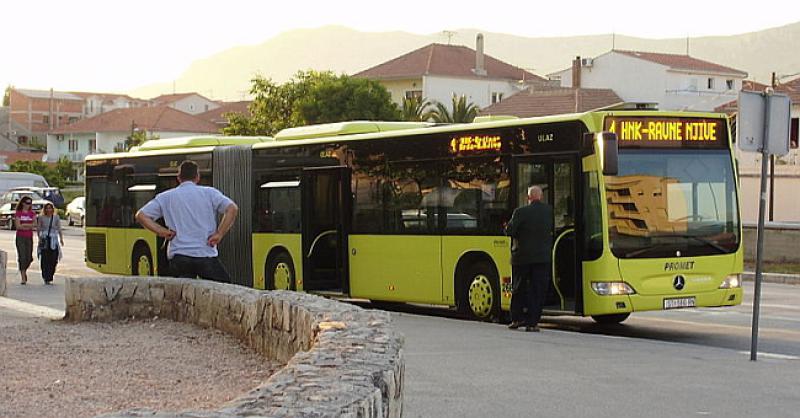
[226, 75]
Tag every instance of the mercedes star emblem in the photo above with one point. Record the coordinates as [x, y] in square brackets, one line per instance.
[679, 282]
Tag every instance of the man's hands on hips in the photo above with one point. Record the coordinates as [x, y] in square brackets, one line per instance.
[214, 239]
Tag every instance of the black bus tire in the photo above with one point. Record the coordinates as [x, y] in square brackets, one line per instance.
[479, 292]
[279, 265]
[141, 259]
[611, 318]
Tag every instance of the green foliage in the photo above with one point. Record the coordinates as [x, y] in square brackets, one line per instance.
[37, 144]
[38, 167]
[64, 168]
[7, 96]
[415, 109]
[311, 97]
[462, 112]
[137, 138]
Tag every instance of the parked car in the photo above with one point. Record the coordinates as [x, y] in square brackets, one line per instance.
[9, 206]
[76, 211]
[53, 194]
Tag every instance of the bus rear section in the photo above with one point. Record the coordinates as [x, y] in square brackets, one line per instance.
[671, 219]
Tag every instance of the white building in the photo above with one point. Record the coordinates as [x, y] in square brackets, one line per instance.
[97, 103]
[191, 103]
[106, 132]
[436, 72]
[673, 82]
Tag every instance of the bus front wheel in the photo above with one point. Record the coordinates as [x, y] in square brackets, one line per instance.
[480, 292]
[610, 319]
[280, 272]
[142, 262]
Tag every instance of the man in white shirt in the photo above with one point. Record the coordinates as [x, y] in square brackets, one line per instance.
[189, 211]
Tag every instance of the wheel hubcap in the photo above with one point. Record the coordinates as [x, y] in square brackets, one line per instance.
[282, 276]
[481, 296]
[143, 266]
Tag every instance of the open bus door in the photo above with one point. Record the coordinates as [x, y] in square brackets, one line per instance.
[556, 175]
[325, 228]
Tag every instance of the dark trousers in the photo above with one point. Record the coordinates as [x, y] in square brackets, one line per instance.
[49, 261]
[530, 283]
[209, 268]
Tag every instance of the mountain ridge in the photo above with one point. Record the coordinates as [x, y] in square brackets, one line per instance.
[227, 74]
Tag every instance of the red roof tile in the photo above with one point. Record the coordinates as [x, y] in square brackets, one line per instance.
[791, 89]
[531, 103]
[447, 60]
[163, 118]
[218, 115]
[682, 62]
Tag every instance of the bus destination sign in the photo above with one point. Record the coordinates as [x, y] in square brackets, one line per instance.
[468, 144]
[651, 132]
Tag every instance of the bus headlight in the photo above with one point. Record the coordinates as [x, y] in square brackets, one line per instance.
[731, 282]
[612, 288]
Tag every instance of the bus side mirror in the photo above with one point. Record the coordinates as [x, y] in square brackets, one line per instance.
[609, 153]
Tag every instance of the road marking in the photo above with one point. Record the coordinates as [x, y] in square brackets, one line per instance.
[775, 356]
[30, 308]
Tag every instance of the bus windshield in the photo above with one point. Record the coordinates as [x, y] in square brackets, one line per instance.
[665, 203]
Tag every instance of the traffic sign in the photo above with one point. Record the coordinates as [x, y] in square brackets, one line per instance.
[753, 126]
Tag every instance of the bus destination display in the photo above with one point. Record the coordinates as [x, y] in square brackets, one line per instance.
[668, 132]
[475, 143]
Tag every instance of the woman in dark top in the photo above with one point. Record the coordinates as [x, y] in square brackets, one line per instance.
[50, 241]
[24, 221]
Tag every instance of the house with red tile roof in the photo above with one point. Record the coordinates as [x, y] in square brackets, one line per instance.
[436, 72]
[191, 103]
[673, 81]
[217, 116]
[97, 103]
[105, 132]
[553, 101]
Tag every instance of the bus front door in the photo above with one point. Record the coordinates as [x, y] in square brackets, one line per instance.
[325, 229]
[556, 176]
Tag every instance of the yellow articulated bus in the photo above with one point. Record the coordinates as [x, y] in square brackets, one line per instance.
[645, 205]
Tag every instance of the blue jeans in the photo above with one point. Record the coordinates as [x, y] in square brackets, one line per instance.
[209, 268]
[529, 288]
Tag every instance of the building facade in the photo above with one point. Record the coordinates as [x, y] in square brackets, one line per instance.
[672, 81]
[191, 103]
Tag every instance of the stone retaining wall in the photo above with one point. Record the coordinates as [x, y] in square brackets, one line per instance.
[342, 361]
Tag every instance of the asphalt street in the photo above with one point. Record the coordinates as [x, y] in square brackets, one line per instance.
[692, 362]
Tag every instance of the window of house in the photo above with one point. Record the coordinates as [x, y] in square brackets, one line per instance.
[413, 94]
[497, 97]
[191, 107]
[729, 84]
[92, 145]
[206, 108]
[710, 83]
[45, 118]
[73, 145]
[73, 119]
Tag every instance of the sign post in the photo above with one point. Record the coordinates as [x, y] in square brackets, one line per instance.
[763, 126]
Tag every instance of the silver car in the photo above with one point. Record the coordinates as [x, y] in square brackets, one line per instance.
[76, 211]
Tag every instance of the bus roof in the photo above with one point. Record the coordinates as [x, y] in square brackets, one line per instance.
[199, 141]
[345, 128]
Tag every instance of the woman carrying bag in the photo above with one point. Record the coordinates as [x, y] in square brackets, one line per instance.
[25, 223]
[50, 241]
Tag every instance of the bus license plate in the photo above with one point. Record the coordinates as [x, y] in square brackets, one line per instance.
[675, 303]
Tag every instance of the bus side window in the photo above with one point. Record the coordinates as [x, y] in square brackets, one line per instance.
[592, 217]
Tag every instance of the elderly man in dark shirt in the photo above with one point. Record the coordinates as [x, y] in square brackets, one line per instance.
[531, 231]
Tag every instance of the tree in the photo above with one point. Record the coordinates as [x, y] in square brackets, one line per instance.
[415, 109]
[138, 137]
[7, 96]
[38, 167]
[311, 97]
[64, 168]
[463, 112]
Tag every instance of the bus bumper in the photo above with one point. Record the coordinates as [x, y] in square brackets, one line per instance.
[720, 297]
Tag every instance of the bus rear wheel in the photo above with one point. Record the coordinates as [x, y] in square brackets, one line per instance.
[142, 262]
[610, 319]
[280, 272]
[480, 292]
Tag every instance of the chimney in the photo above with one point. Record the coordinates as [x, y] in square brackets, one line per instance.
[576, 72]
[479, 68]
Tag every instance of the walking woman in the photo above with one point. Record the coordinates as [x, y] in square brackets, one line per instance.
[24, 220]
[50, 241]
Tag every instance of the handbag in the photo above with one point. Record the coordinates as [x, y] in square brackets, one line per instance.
[45, 241]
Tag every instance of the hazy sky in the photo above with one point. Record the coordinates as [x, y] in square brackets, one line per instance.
[90, 44]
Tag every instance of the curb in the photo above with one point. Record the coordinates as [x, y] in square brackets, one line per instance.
[779, 278]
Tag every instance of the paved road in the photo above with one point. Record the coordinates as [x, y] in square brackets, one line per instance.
[678, 363]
